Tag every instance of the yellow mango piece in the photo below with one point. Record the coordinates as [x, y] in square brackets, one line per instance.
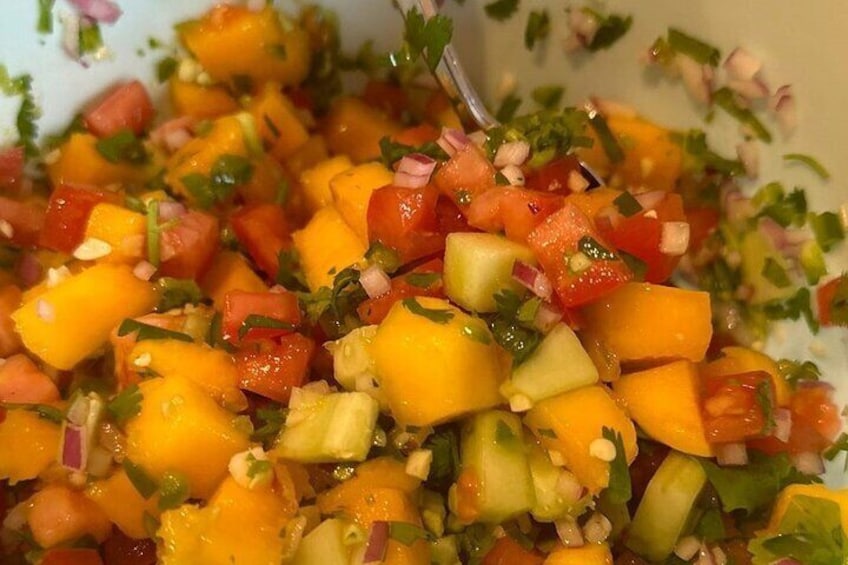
[577, 419]
[198, 156]
[642, 321]
[69, 322]
[79, 162]
[434, 371]
[238, 525]
[28, 445]
[591, 202]
[589, 554]
[352, 190]
[354, 128]
[665, 402]
[308, 155]
[651, 157]
[212, 369]
[198, 101]
[382, 472]
[326, 245]
[315, 181]
[123, 229]
[736, 359]
[277, 121]
[122, 504]
[231, 41]
[181, 428]
[229, 271]
[785, 497]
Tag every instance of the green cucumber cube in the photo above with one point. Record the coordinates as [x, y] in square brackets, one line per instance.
[323, 546]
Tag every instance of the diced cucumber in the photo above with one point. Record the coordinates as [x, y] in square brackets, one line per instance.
[551, 502]
[352, 358]
[756, 250]
[478, 266]
[328, 428]
[492, 446]
[444, 551]
[666, 511]
[323, 546]
[812, 261]
[558, 365]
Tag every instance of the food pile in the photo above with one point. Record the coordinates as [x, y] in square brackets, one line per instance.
[276, 323]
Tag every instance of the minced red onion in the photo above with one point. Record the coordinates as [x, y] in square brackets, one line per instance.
[175, 139]
[649, 200]
[533, 279]
[378, 540]
[514, 175]
[405, 180]
[569, 532]
[144, 270]
[742, 65]
[547, 316]
[74, 449]
[783, 105]
[808, 462]
[98, 10]
[696, 77]
[749, 154]
[29, 269]
[169, 210]
[569, 487]
[512, 153]
[583, 27]
[674, 238]
[414, 171]
[731, 454]
[782, 424]
[452, 140]
[375, 282]
[808, 384]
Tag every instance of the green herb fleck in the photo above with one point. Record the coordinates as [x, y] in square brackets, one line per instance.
[173, 490]
[774, 273]
[501, 10]
[611, 28]
[258, 321]
[175, 293]
[436, 315]
[627, 205]
[140, 479]
[122, 147]
[702, 52]
[272, 420]
[166, 68]
[422, 280]
[619, 489]
[257, 467]
[548, 97]
[547, 432]
[289, 273]
[392, 151]
[538, 28]
[590, 247]
[795, 371]
[510, 331]
[407, 533]
[90, 39]
[45, 16]
[146, 331]
[810, 162]
[125, 405]
[608, 141]
[43, 411]
[827, 228]
[508, 108]
[427, 38]
[725, 99]
[839, 303]
[476, 333]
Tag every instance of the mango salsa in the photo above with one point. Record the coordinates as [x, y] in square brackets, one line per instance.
[29, 444]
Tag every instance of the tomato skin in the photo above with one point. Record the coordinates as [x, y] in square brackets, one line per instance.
[417, 135]
[515, 211]
[126, 106]
[120, 549]
[238, 305]
[26, 219]
[825, 296]
[507, 551]
[264, 231]
[556, 239]
[68, 556]
[816, 421]
[731, 406]
[188, 247]
[67, 215]
[553, 175]
[272, 369]
[465, 176]
[373, 310]
[406, 220]
[11, 167]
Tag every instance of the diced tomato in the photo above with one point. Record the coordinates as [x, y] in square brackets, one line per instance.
[816, 421]
[405, 219]
[832, 293]
[238, 305]
[272, 369]
[70, 556]
[67, 215]
[264, 231]
[553, 176]
[22, 382]
[465, 176]
[507, 551]
[515, 211]
[373, 310]
[557, 241]
[417, 135]
[25, 218]
[126, 106]
[11, 168]
[127, 373]
[188, 247]
[640, 235]
[703, 222]
[120, 549]
[388, 97]
[735, 406]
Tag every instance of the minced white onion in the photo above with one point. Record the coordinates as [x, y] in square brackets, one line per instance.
[577, 182]
[70, 34]
[731, 454]
[719, 557]
[649, 200]
[597, 528]
[92, 249]
[418, 464]
[144, 270]
[808, 462]
[782, 104]
[375, 282]
[569, 532]
[687, 547]
[568, 486]
[547, 316]
[782, 424]
[705, 556]
[674, 239]
[452, 140]
[742, 65]
[512, 153]
[697, 78]
[514, 175]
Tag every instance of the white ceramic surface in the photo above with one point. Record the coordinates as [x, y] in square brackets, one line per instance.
[802, 44]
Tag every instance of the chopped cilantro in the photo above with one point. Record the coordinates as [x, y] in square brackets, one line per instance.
[510, 331]
[27, 114]
[785, 209]
[694, 143]
[839, 446]
[793, 308]
[392, 151]
[827, 228]
[775, 274]
[140, 479]
[289, 273]
[627, 205]
[810, 162]
[549, 133]
[166, 68]
[590, 247]
[122, 147]
[710, 527]
[504, 436]
[765, 400]
[228, 172]
[702, 52]
[175, 293]
[501, 10]
[45, 16]
[154, 233]
[795, 371]
[422, 280]
[173, 490]
[608, 140]
[407, 533]
[272, 420]
[427, 38]
[476, 333]
[384, 257]
[619, 489]
[257, 467]
[435, 315]
[90, 39]
[537, 29]
[611, 28]
[501, 180]
[43, 411]
[146, 331]
[444, 445]
[548, 97]
[637, 266]
[839, 303]
[508, 108]
[725, 99]
[258, 321]
[125, 405]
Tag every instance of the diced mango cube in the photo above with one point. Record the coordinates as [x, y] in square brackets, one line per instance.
[86, 306]
[589, 554]
[79, 162]
[229, 271]
[326, 245]
[123, 505]
[277, 122]
[352, 191]
[200, 102]
[316, 181]
[354, 128]
[28, 445]
[121, 228]
[435, 362]
[570, 423]
[180, 428]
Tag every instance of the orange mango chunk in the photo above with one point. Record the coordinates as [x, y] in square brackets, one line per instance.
[79, 162]
[736, 359]
[326, 245]
[277, 122]
[354, 128]
[589, 554]
[229, 271]
[198, 101]
[122, 504]
[29, 444]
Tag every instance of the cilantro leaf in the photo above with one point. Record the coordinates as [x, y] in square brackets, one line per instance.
[166, 68]
[384, 257]
[611, 28]
[407, 533]
[702, 52]
[827, 227]
[537, 29]
[511, 331]
[608, 140]
[435, 315]
[509, 106]
[839, 303]
[444, 444]
[549, 133]
[793, 308]
[258, 321]
[548, 97]
[146, 331]
[289, 273]
[839, 446]
[810, 162]
[501, 10]
[125, 405]
[27, 114]
[725, 99]
[795, 371]
[44, 411]
[175, 293]
[427, 38]
[173, 490]
[619, 489]
[422, 280]
[140, 479]
[392, 151]
[272, 419]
